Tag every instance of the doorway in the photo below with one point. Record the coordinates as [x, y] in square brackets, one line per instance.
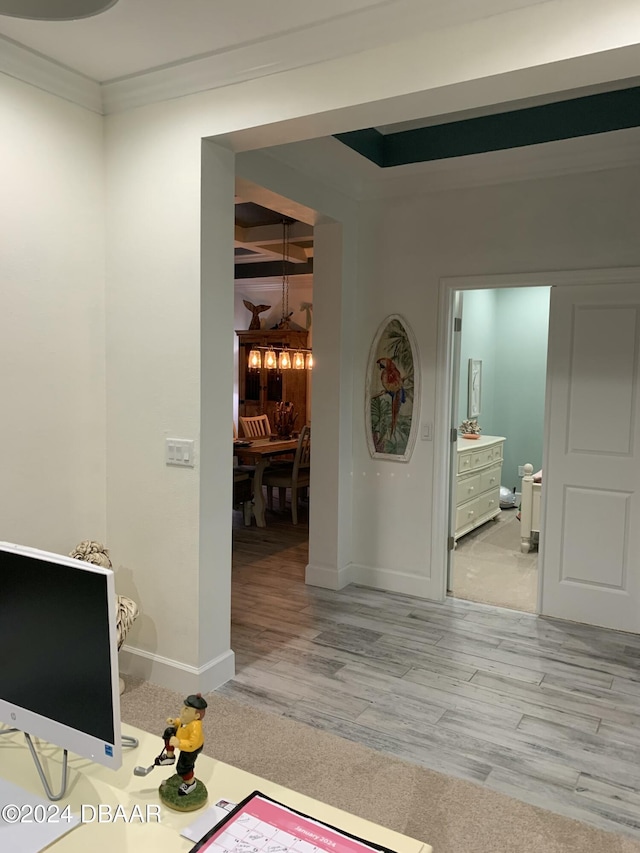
[498, 402]
[273, 310]
[588, 512]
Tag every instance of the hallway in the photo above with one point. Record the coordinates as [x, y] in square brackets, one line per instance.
[542, 710]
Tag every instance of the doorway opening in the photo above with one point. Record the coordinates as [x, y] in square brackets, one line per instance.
[498, 386]
[273, 310]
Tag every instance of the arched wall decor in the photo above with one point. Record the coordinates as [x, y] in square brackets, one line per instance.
[392, 409]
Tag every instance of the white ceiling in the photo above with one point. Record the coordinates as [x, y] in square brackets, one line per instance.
[211, 43]
[137, 36]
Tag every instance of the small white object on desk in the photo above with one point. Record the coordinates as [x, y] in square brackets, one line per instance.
[206, 821]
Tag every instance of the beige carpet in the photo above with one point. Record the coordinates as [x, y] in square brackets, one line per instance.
[452, 815]
[489, 567]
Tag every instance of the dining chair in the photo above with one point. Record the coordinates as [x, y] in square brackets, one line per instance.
[255, 427]
[240, 467]
[294, 478]
[243, 494]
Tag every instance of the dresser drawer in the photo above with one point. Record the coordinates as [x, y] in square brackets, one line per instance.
[490, 479]
[489, 502]
[479, 474]
[467, 513]
[485, 456]
[464, 462]
[468, 488]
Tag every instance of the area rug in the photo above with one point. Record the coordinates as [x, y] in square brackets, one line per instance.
[452, 815]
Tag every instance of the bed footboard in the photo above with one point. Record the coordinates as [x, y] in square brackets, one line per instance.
[529, 509]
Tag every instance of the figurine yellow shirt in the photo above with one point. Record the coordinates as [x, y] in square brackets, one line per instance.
[190, 736]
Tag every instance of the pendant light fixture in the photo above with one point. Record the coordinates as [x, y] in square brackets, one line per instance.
[284, 320]
[301, 359]
[284, 360]
[270, 359]
[255, 359]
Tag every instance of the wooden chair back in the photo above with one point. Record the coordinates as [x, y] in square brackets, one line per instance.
[255, 427]
[295, 478]
[302, 458]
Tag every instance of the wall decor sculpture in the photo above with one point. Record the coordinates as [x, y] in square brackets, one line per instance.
[392, 391]
[475, 388]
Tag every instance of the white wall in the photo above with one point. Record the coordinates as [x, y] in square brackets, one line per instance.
[157, 515]
[52, 379]
[271, 294]
[153, 383]
[571, 222]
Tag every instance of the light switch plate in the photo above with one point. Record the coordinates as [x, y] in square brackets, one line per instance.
[180, 451]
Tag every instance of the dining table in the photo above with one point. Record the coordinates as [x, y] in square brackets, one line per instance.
[260, 452]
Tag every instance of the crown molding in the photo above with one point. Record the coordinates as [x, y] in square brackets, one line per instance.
[200, 74]
[39, 71]
[250, 61]
[383, 21]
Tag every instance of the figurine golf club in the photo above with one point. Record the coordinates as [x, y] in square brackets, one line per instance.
[182, 791]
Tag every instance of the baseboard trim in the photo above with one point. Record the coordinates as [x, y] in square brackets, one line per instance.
[175, 675]
[391, 581]
[328, 577]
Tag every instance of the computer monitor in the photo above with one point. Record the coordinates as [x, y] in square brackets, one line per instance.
[58, 652]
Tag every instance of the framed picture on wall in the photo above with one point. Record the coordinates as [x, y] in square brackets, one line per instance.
[475, 388]
[391, 399]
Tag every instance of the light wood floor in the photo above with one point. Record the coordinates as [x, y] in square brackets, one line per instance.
[543, 710]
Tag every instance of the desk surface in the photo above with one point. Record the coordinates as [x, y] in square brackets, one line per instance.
[92, 784]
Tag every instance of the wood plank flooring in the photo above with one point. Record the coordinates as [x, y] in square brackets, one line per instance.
[543, 710]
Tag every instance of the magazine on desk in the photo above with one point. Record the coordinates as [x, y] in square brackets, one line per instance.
[260, 824]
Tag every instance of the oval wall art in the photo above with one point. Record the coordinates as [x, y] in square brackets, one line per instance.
[392, 391]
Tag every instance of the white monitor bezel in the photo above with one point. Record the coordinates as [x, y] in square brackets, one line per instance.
[66, 737]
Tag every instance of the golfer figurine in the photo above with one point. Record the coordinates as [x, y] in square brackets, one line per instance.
[185, 734]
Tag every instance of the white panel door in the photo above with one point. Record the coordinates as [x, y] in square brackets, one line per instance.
[591, 481]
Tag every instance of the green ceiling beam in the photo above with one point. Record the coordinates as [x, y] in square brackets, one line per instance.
[368, 142]
[531, 126]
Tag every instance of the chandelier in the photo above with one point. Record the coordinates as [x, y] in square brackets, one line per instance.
[284, 359]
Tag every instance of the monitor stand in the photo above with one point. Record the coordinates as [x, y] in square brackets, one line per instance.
[127, 741]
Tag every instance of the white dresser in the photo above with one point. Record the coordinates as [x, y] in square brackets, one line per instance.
[478, 477]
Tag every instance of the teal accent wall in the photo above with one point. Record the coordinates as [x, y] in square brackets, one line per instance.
[521, 349]
[508, 329]
[479, 314]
